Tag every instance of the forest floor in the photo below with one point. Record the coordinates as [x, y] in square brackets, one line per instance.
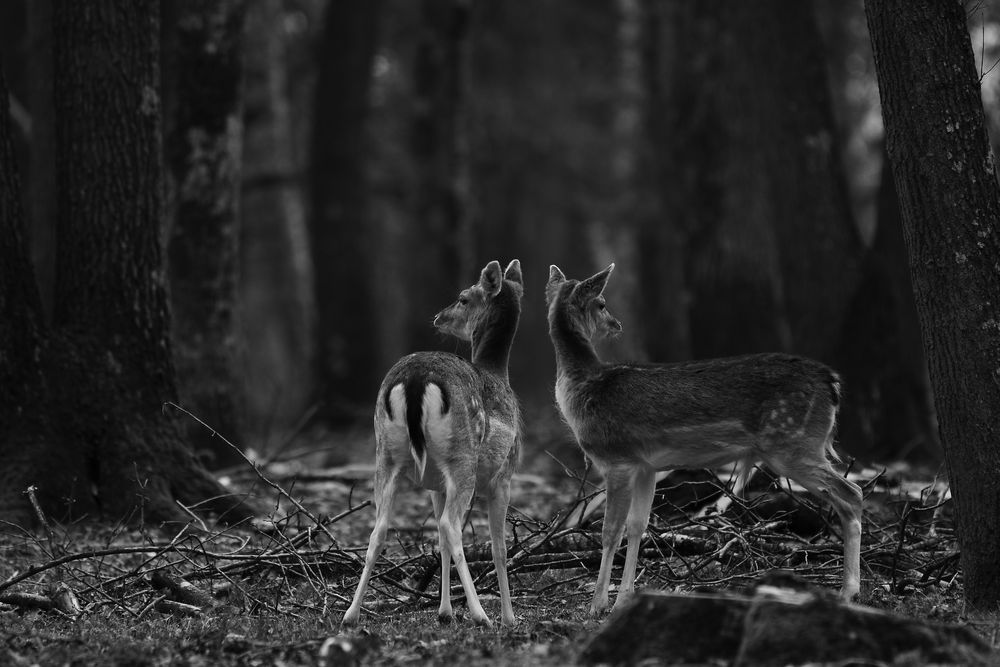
[275, 592]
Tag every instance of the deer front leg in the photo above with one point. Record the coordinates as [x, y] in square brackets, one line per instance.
[619, 483]
[638, 519]
[498, 500]
[745, 469]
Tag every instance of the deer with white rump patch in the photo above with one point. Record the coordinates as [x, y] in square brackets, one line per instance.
[633, 420]
[454, 428]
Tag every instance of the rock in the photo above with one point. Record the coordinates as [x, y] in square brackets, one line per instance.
[775, 626]
[696, 628]
[809, 628]
[348, 649]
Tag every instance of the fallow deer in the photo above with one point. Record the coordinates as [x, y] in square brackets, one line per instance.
[633, 420]
[454, 428]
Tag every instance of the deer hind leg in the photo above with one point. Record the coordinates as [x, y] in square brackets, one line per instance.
[385, 492]
[444, 611]
[638, 520]
[619, 484]
[456, 502]
[819, 477]
[498, 500]
[745, 470]
[846, 498]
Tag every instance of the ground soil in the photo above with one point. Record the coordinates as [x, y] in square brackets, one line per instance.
[279, 588]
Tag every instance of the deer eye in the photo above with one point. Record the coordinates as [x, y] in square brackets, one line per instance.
[600, 306]
[463, 300]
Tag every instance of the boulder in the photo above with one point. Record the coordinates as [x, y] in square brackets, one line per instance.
[774, 626]
[681, 629]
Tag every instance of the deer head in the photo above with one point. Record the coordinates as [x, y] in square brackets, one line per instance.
[582, 303]
[461, 318]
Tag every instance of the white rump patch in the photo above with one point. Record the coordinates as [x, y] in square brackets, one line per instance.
[391, 432]
[437, 431]
[437, 427]
[397, 401]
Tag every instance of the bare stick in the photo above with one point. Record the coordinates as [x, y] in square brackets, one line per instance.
[263, 478]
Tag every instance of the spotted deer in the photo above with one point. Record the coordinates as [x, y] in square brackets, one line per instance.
[454, 428]
[633, 420]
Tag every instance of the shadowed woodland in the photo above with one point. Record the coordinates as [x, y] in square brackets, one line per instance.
[222, 222]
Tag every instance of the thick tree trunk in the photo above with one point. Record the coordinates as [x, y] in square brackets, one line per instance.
[339, 225]
[539, 108]
[791, 139]
[20, 326]
[276, 282]
[441, 232]
[944, 172]
[204, 76]
[616, 237]
[715, 206]
[41, 181]
[96, 441]
[666, 326]
[889, 403]
[20, 309]
[752, 179]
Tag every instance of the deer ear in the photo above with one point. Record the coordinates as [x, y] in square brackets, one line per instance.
[556, 275]
[491, 279]
[595, 284]
[513, 272]
[556, 278]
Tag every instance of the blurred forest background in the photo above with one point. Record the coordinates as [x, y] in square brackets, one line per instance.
[343, 167]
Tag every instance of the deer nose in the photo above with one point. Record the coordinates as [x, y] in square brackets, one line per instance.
[617, 325]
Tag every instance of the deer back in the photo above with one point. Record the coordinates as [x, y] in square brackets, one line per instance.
[698, 413]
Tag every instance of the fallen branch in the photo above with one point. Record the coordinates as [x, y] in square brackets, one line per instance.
[182, 591]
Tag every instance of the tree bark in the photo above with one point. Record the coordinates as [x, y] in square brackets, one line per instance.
[441, 232]
[944, 172]
[540, 106]
[276, 284]
[339, 223]
[663, 291]
[756, 194]
[41, 181]
[615, 237]
[889, 405]
[21, 324]
[204, 76]
[96, 441]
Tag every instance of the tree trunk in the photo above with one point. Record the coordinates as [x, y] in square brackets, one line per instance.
[20, 327]
[663, 293]
[339, 225]
[792, 139]
[889, 404]
[96, 442]
[715, 206]
[615, 237]
[440, 234]
[948, 192]
[539, 108]
[203, 73]
[20, 308]
[276, 282]
[752, 179]
[41, 181]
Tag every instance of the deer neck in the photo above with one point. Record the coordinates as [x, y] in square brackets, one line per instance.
[574, 351]
[494, 335]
